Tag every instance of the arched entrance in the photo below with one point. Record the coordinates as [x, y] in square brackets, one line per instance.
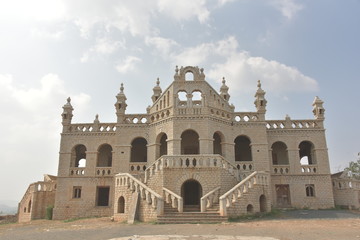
[189, 142]
[191, 192]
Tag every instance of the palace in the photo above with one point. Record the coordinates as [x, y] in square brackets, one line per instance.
[189, 158]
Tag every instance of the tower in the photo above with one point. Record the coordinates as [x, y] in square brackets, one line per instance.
[120, 104]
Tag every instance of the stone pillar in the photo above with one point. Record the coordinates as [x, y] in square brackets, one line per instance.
[294, 161]
[121, 159]
[174, 146]
[91, 158]
[228, 151]
[206, 145]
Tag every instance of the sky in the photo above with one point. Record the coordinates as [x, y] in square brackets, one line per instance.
[84, 49]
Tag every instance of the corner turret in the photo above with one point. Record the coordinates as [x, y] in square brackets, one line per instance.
[224, 90]
[120, 104]
[318, 109]
[260, 101]
[157, 91]
[67, 114]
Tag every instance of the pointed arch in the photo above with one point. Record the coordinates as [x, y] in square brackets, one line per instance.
[78, 156]
[243, 148]
[307, 153]
[161, 142]
[138, 150]
[218, 139]
[279, 154]
[104, 156]
[190, 142]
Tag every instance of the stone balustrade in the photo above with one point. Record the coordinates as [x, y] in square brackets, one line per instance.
[103, 171]
[280, 169]
[234, 194]
[244, 165]
[346, 184]
[239, 117]
[309, 169]
[92, 127]
[39, 187]
[191, 161]
[136, 167]
[77, 171]
[136, 119]
[291, 124]
[146, 193]
[175, 200]
[209, 199]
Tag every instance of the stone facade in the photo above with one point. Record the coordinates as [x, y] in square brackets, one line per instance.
[191, 150]
[346, 190]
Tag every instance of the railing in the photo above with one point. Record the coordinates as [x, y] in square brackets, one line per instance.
[175, 200]
[308, 169]
[244, 165]
[346, 184]
[281, 169]
[294, 124]
[236, 192]
[136, 167]
[92, 127]
[245, 117]
[103, 171]
[146, 193]
[77, 171]
[191, 161]
[209, 199]
[136, 118]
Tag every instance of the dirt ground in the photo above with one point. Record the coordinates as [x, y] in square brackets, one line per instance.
[299, 225]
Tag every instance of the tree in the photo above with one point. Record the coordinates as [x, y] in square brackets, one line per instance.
[354, 168]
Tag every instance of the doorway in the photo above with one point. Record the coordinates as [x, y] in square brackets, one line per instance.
[191, 192]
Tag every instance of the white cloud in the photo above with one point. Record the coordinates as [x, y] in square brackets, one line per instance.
[128, 64]
[38, 10]
[288, 8]
[30, 124]
[103, 46]
[162, 45]
[184, 10]
[243, 70]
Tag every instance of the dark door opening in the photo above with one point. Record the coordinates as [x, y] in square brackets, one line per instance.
[283, 195]
[191, 191]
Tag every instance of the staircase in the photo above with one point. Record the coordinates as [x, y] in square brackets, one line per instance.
[191, 214]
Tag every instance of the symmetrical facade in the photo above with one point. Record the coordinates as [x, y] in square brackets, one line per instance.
[191, 151]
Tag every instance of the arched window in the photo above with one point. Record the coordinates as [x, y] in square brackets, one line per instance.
[242, 149]
[310, 190]
[29, 206]
[217, 144]
[139, 150]
[182, 95]
[121, 205]
[104, 157]
[196, 98]
[189, 142]
[307, 153]
[163, 145]
[189, 76]
[279, 154]
[262, 201]
[78, 156]
[249, 209]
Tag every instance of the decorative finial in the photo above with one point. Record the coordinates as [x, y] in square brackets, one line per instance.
[223, 80]
[176, 69]
[259, 84]
[68, 99]
[122, 88]
[157, 82]
[97, 117]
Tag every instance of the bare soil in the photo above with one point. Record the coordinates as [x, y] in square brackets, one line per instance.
[284, 227]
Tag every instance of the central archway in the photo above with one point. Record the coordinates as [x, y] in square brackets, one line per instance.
[189, 142]
[191, 192]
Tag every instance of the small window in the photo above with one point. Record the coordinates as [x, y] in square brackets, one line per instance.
[310, 190]
[77, 192]
[102, 196]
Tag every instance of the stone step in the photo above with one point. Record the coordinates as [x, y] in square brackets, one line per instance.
[191, 219]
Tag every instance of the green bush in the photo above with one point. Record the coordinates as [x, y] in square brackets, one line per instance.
[49, 212]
